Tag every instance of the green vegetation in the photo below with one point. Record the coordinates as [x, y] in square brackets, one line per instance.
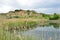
[25, 25]
[16, 16]
[29, 14]
[54, 17]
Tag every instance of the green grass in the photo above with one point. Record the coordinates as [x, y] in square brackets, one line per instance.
[20, 25]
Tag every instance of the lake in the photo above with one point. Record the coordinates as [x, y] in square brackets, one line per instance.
[45, 32]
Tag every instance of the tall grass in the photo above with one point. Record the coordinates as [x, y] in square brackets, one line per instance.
[19, 25]
[5, 33]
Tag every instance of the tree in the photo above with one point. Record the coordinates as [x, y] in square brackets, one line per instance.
[17, 10]
[54, 17]
[28, 12]
[34, 12]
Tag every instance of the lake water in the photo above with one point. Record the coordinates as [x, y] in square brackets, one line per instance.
[50, 32]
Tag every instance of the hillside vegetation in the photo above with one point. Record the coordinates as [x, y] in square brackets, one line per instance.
[29, 14]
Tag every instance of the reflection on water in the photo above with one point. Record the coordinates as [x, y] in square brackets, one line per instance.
[51, 32]
[55, 25]
[45, 33]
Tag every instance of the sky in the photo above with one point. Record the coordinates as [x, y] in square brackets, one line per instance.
[44, 6]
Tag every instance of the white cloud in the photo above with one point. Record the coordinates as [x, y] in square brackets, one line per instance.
[30, 3]
[40, 5]
[48, 10]
[25, 2]
[5, 8]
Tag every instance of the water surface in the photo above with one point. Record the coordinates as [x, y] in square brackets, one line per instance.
[50, 32]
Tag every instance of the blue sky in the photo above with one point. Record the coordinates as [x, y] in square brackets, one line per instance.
[45, 6]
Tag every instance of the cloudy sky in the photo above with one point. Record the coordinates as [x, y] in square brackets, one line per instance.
[45, 6]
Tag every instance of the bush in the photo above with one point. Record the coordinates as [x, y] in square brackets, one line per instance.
[54, 17]
[17, 10]
[9, 17]
[28, 12]
[16, 17]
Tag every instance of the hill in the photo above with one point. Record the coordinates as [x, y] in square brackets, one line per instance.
[29, 14]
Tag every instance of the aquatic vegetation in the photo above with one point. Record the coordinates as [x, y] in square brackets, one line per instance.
[20, 25]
